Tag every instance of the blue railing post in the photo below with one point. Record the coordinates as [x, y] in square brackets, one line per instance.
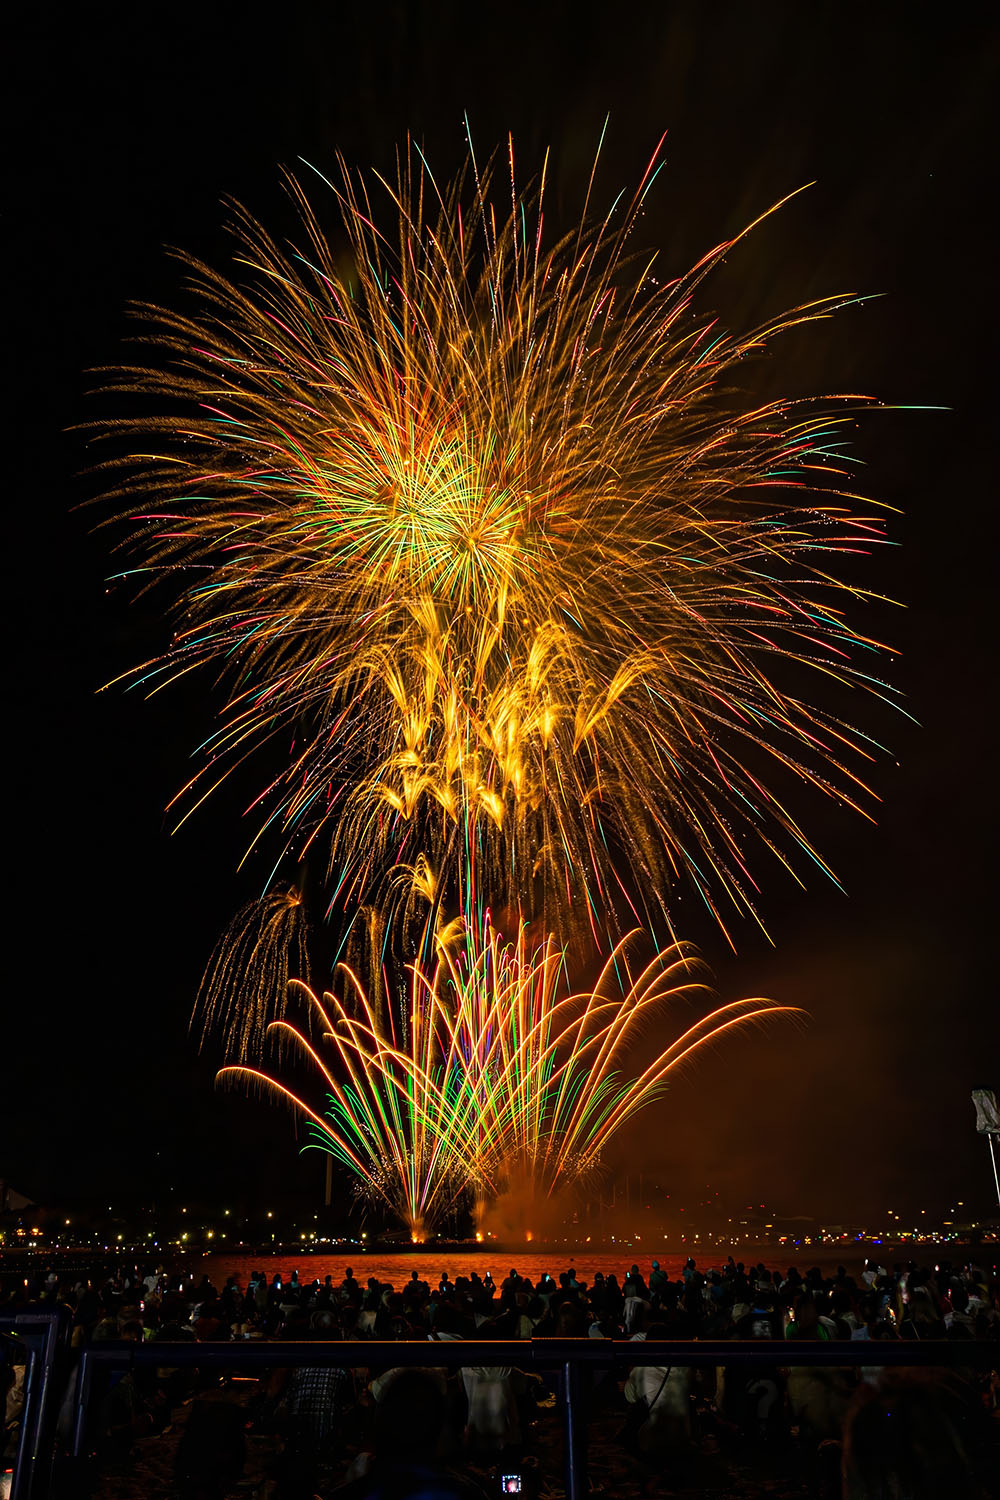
[574, 1427]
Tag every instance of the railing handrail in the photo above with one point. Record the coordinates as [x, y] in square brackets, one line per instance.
[542, 1352]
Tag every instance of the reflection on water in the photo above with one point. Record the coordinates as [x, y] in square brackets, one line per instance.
[396, 1267]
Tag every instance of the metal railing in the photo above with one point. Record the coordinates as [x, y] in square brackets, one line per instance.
[569, 1356]
[45, 1337]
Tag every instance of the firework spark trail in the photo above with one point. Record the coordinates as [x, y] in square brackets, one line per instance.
[499, 1078]
[264, 949]
[482, 528]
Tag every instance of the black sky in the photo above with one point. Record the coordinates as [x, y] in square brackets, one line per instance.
[129, 125]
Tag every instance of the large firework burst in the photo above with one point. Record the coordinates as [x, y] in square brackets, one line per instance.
[490, 547]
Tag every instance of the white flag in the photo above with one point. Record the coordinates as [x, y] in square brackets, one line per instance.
[987, 1111]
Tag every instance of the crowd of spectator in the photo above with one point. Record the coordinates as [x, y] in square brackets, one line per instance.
[378, 1430]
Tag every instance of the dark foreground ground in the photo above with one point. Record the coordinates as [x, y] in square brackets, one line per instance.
[720, 1464]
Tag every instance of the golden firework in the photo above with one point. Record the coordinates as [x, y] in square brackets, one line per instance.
[496, 557]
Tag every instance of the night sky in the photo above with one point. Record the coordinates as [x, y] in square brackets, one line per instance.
[130, 125]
